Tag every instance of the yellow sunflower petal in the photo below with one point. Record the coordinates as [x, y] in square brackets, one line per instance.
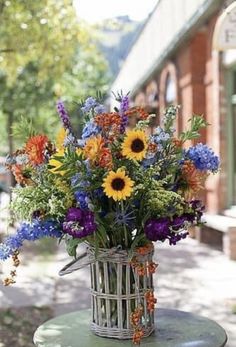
[134, 146]
[117, 185]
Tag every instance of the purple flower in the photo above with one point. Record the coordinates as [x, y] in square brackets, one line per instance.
[64, 115]
[124, 106]
[179, 222]
[157, 229]
[163, 229]
[174, 238]
[79, 223]
[203, 157]
[74, 214]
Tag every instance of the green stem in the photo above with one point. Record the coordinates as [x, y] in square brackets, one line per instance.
[124, 226]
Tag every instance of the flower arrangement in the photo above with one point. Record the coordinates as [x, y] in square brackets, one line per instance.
[114, 186]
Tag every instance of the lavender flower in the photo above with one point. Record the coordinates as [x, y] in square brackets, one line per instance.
[203, 157]
[124, 106]
[64, 115]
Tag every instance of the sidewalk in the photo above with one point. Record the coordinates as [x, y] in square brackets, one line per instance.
[191, 277]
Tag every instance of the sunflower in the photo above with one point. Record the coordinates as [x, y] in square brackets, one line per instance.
[35, 148]
[117, 185]
[135, 145]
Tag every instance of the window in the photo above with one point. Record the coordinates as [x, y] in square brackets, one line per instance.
[170, 93]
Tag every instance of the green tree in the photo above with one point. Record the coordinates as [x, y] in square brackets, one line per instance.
[44, 53]
[44, 31]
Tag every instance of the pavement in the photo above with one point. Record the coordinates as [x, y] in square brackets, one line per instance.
[191, 277]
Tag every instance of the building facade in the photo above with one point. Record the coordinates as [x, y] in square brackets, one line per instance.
[173, 61]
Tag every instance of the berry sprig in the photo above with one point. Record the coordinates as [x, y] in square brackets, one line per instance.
[16, 262]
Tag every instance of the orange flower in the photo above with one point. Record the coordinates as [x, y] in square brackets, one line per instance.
[152, 267]
[110, 123]
[139, 111]
[35, 148]
[106, 158]
[145, 249]
[177, 142]
[193, 178]
[108, 120]
[151, 300]
[137, 336]
[136, 316]
[21, 174]
[93, 148]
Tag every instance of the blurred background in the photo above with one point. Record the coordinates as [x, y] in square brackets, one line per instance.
[162, 52]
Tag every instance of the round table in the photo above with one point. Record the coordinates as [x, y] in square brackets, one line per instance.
[173, 329]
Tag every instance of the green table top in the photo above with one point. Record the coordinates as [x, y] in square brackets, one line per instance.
[173, 329]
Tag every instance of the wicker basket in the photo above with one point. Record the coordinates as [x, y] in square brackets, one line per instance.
[116, 290]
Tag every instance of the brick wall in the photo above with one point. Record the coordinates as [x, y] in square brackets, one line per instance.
[200, 79]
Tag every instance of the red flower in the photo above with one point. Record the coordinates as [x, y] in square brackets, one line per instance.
[35, 148]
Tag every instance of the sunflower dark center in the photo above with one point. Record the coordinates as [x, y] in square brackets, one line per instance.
[137, 146]
[118, 184]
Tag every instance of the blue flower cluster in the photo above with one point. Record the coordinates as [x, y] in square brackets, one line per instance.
[203, 157]
[99, 109]
[160, 136]
[90, 129]
[31, 232]
[81, 196]
[91, 103]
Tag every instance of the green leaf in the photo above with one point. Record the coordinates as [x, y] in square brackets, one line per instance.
[71, 246]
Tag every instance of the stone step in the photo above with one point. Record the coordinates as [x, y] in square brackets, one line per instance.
[219, 231]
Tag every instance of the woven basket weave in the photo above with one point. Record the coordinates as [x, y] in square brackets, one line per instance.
[116, 290]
